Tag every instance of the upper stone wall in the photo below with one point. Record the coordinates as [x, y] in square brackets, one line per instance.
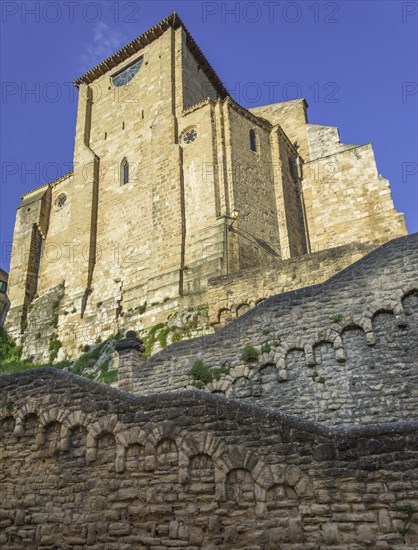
[346, 199]
[292, 117]
[339, 352]
[85, 466]
[324, 141]
[229, 296]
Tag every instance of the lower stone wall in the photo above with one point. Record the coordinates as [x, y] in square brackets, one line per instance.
[86, 466]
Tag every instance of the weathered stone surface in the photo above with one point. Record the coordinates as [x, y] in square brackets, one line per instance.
[192, 470]
[297, 335]
[196, 156]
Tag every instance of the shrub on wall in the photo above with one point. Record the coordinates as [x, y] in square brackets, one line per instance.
[54, 347]
[200, 372]
[203, 375]
[9, 351]
[249, 354]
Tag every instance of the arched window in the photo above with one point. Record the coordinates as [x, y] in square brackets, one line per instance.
[122, 77]
[125, 172]
[253, 141]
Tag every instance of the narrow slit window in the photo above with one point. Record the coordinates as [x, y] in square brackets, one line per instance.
[293, 168]
[125, 172]
[253, 141]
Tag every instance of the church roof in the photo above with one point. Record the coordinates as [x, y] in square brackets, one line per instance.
[173, 21]
[45, 185]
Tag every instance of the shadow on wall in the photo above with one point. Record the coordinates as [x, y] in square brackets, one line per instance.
[339, 352]
[125, 483]
[92, 477]
[366, 379]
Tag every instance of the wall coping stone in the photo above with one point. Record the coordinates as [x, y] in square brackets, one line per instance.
[236, 409]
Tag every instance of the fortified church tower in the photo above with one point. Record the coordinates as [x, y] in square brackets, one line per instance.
[175, 183]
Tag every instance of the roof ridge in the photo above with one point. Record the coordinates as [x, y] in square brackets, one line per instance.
[173, 20]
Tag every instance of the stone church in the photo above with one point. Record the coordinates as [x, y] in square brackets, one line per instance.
[179, 193]
[292, 427]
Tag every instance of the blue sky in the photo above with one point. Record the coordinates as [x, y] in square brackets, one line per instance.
[354, 62]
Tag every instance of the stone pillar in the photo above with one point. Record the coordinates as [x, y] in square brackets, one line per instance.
[130, 351]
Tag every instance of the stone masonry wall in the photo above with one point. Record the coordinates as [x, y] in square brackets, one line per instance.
[229, 296]
[85, 466]
[339, 352]
[129, 253]
[346, 198]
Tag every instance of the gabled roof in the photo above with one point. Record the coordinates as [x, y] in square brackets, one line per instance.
[173, 21]
[50, 184]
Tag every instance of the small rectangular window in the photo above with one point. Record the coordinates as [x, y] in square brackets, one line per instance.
[253, 141]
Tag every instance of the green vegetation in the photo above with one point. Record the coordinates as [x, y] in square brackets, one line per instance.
[9, 352]
[55, 313]
[177, 337]
[150, 340]
[408, 512]
[203, 375]
[108, 377]
[317, 378]
[337, 318]
[201, 372]
[10, 359]
[265, 348]
[142, 308]
[54, 347]
[10, 355]
[249, 354]
[85, 365]
[87, 360]
[220, 371]
[116, 336]
[160, 333]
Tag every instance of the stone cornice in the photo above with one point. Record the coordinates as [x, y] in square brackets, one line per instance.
[48, 379]
[247, 114]
[50, 184]
[197, 106]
